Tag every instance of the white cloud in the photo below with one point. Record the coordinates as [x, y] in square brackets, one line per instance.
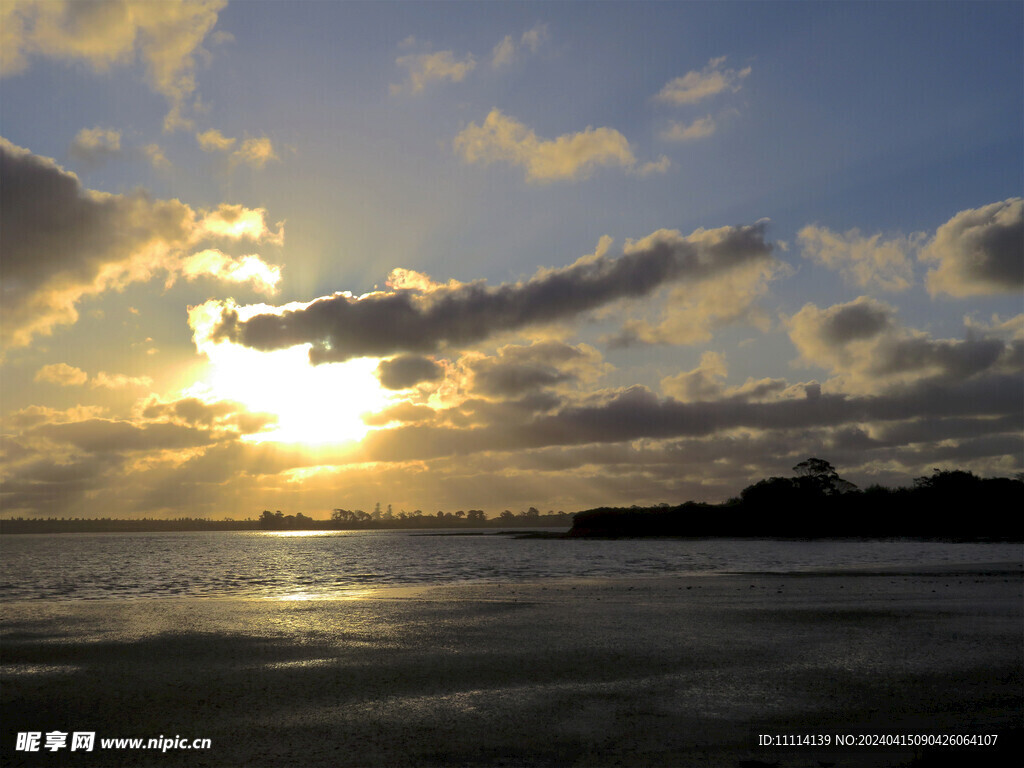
[568, 157]
[978, 251]
[700, 128]
[63, 374]
[165, 36]
[426, 68]
[865, 261]
[696, 86]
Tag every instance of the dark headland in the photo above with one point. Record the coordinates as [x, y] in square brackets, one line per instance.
[818, 503]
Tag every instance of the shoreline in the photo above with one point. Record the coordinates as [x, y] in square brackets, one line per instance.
[645, 671]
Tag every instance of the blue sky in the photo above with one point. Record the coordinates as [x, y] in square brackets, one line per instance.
[838, 185]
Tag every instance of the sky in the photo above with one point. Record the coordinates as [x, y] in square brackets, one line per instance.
[304, 256]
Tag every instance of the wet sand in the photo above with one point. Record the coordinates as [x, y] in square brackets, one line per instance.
[673, 671]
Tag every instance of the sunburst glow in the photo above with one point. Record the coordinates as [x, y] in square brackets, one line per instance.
[313, 404]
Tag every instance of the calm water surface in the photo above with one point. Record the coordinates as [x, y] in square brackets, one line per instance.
[322, 563]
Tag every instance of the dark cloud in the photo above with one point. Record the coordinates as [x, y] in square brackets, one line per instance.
[103, 436]
[517, 370]
[407, 371]
[193, 412]
[860, 319]
[637, 413]
[380, 324]
[979, 251]
[62, 242]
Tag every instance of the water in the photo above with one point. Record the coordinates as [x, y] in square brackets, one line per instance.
[256, 564]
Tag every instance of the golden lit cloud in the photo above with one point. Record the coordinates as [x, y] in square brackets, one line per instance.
[156, 156]
[504, 53]
[507, 51]
[978, 251]
[700, 128]
[691, 311]
[251, 269]
[165, 36]
[63, 243]
[869, 352]
[696, 86]
[426, 68]
[214, 141]
[103, 380]
[568, 157]
[95, 143]
[255, 152]
[63, 374]
[865, 261]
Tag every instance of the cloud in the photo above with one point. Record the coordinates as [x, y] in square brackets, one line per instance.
[214, 141]
[636, 413]
[690, 312]
[110, 436]
[262, 277]
[507, 51]
[156, 156]
[254, 152]
[383, 323]
[63, 243]
[69, 376]
[569, 157]
[534, 37]
[165, 36]
[426, 68]
[63, 374]
[869, 352]
[865, 261]
[978, 251]
[706, 383]
[696, 86]
[504, 53]
[217, 415]
[519, 370]
[103, 380]
[406, 371]
[700, 128]
[93, 144]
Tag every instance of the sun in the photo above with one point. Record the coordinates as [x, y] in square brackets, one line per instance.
[313, 404]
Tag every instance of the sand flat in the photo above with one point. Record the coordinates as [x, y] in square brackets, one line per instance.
[673, 671]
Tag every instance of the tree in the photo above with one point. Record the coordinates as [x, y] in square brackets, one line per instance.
[820, 476]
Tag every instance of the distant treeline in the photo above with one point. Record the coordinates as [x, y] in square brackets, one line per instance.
[817, 503]
[119, 525]
[358, 520]
[340, 520]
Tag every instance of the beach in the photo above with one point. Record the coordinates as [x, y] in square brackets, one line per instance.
[657, 671]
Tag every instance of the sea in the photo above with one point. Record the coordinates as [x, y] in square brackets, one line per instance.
[314, 564]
